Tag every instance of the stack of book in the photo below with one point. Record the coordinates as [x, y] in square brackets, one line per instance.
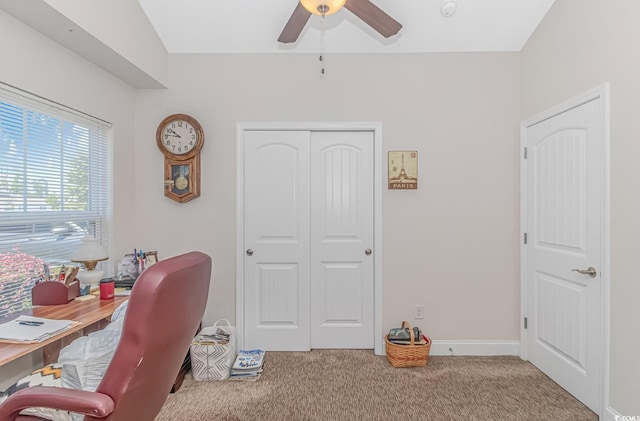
[248, 365]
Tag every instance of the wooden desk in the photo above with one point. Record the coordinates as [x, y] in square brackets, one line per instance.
[92, 314]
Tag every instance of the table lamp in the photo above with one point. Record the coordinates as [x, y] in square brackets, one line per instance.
[89, 254]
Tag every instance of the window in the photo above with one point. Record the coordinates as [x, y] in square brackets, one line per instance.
[54, 188]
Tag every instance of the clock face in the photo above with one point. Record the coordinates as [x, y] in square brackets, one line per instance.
[179, 137]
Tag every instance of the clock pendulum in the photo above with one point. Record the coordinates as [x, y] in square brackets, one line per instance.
[181, 181]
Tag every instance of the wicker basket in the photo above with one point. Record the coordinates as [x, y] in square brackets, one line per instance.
[411, 355]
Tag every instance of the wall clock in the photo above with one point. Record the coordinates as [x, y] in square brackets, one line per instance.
[180, 138]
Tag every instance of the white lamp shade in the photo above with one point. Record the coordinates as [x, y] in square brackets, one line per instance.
[317, 6]
[90, 250]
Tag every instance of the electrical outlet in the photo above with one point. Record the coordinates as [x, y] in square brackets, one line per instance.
[419, 311]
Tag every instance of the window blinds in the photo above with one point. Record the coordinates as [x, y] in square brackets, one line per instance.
[54, 188]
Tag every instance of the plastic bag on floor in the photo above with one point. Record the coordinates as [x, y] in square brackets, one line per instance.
[86, 359]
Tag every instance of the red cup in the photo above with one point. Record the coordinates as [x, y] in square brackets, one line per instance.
[106, 289]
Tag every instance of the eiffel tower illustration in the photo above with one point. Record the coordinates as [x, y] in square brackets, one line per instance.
[403, 174]
[403, 180]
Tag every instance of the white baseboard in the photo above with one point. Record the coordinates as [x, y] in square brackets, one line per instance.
[479, 348]
[611, 414]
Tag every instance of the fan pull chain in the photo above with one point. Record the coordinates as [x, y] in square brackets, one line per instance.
[321, 58]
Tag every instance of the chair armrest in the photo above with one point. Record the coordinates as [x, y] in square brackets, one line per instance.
[94, 404]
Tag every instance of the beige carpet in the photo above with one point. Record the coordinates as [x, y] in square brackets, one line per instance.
[350, 385]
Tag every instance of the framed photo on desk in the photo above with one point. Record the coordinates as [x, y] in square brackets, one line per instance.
[151, 257]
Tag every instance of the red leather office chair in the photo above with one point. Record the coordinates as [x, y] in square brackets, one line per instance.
[165, 309]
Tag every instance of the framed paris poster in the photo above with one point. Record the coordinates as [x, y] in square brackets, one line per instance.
[403, 170]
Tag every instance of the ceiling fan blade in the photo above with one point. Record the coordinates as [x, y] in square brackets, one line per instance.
[295, 25]
[373, 16]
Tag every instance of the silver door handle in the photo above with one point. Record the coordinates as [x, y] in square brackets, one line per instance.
[249, 252]
[368, 252]
[591, 271]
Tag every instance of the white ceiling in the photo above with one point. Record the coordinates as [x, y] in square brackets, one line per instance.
[253, 26]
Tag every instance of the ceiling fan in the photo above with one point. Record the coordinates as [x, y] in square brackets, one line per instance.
[371, 14]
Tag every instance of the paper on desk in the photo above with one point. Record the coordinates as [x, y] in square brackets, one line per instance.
[122, 292]
[13, 331]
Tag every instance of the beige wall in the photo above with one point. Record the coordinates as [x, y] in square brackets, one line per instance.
[579, 45]
[72, 81]
[452, 245]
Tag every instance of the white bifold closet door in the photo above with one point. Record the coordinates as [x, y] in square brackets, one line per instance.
[308, 224]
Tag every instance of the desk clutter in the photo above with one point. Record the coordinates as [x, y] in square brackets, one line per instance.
[132, 265]
[54, 293]
[57, 289]
[129, 269]
[60, 284]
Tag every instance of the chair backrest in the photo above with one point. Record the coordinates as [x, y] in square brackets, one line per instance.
[165, 309]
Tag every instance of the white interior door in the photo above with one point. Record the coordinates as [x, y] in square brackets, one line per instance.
[564, 208]
[308, 240]
[342, 240]
[276, 228]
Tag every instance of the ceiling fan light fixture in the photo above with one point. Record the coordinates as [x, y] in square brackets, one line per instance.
[323, 7]
[448, 8]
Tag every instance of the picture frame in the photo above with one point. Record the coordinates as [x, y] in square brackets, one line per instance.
[403, 170]
[151, 257]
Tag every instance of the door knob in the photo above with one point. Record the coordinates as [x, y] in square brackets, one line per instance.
[591, 271]
[368, 252]
[249, 252]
